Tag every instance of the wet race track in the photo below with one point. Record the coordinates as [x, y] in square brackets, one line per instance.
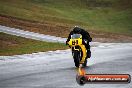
[55, 69]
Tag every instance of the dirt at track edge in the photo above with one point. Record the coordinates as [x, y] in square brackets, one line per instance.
[60, 30]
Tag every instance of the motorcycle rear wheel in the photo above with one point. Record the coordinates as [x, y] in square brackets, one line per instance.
[85, 63]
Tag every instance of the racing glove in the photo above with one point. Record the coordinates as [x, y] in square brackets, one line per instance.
[66, 42]
[85, 41]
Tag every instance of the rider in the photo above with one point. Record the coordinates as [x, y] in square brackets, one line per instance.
[85, 37]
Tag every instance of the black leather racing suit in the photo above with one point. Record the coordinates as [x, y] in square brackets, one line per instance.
[85, 36]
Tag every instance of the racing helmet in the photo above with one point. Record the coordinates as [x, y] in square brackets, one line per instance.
[77, 30]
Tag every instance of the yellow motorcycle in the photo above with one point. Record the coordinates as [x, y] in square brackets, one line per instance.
[79, 51]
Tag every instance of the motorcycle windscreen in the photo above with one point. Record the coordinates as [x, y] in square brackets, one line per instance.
[76, 36]
[76, 39]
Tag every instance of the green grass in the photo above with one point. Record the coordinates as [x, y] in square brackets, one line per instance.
[73, 12]
[12, 45]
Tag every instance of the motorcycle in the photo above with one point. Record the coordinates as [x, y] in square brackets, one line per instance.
[79, 50]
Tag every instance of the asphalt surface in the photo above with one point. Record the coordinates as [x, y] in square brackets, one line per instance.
[55, 69]
[31, 35]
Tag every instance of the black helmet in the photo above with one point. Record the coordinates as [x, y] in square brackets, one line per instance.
[77, 30]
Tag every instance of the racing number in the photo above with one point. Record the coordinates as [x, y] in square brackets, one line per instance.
[75, 42]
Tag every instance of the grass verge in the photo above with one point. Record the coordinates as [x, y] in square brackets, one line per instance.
[98, 15]
[12, 45]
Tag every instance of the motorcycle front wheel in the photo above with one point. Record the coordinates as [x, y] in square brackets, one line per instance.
[76, 57]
